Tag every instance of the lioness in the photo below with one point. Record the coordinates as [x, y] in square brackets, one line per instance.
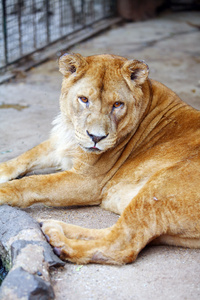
[123, 141]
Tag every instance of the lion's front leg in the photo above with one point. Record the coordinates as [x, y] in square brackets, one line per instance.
[40, 156]
[59, 189]
[75, 232]
[118, 244]
[113, 248]
[81, 246]
[143, 220]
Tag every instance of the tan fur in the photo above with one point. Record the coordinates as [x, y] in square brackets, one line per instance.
[123, 141]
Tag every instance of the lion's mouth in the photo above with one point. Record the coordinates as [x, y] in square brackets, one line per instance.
[91, 149]
[94, 149]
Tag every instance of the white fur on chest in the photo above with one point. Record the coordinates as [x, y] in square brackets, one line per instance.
[64, 143]
[120, 195]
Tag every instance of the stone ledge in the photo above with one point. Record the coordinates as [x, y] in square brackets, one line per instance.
[26, 255]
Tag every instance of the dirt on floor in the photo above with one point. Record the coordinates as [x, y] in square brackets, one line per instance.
[170, 44]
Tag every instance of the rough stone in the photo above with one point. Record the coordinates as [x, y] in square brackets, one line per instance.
[22, 285]
[50, 257]
[25, 252]
[10, 217]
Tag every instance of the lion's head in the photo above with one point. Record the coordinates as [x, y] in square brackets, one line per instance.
[103, 96]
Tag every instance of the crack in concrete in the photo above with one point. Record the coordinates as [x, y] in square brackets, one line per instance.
[148, 44]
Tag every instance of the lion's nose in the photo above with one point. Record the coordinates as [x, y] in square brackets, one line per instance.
[96, 138]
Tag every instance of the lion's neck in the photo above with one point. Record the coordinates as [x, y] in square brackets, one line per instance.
[158, 120]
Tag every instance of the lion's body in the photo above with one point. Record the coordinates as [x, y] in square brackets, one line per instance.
[125, 142]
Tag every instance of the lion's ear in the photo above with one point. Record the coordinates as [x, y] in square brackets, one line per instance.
[71, 63]
[136, 70]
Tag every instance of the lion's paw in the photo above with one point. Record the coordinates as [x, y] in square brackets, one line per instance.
[5, 174]
[75, 250]
[54, 235]
[3, 177]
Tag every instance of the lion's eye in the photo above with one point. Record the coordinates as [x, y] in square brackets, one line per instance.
[118, 104]
[83, 99]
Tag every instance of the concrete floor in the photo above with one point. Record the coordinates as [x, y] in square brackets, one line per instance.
[171, 47]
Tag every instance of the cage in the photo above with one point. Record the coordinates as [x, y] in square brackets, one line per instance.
[27, 26]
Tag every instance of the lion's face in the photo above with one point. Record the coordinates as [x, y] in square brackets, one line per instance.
[103, 98]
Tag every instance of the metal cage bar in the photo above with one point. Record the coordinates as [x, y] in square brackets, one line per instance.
[27, 26]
